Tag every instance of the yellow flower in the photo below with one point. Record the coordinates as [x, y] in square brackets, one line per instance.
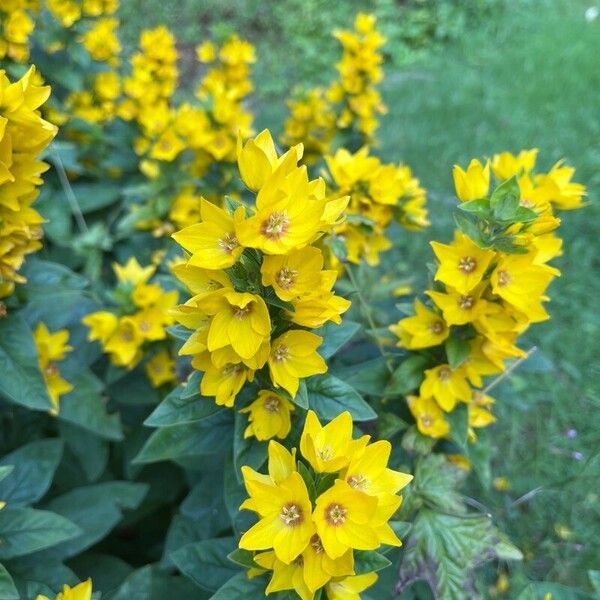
[459, 309]
[285, 576]
[167, 147]
[240, 320]
[349, 588]
[294, 274]
[269, 416]
[212, 243]
[424, 330]
[522, 283]
[429, 416]
[285, 517]
[160, 369]
[294, 356]
[473, 183]
[225, 382]
[446, 385]
[368, 471]
[52, 348]
[506, 165]
[343, 517]
[101, 40]
[82, 591]
[132, 272]
[124, 344]
[462, 263]
[562, 192]
[102, 325]
[206, 52]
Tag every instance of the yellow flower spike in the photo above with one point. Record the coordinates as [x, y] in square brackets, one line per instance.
[132, 272]
[160, 369]
[506, 165]
[82, 591]
[269, 416]
[102, 325]
[285, 524]
[424, 330]
[240, 320]
[213, 243]
[474, 183]
[429, 416]
[343, 517]
[349, 588]
[368, 471]
[462, 263]
[447, 386]
[294, 356]
[294, 274]
[327, 448]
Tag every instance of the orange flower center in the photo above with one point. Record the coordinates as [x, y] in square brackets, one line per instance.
[503, 278]
[232, 370]
[444, 374]
[286, 278]
[467, 264]
[51, 369]
[228, 243]
[335, 514]
[241, 313]
[126, 336]
[315, 542]
[437, 327]
[466, 302]
[276, 226]
[358, 482]
[426, 420]
[272, 404]
[291, 515]
[325, 453]
[280, 353]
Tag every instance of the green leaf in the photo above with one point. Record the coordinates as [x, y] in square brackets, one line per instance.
[329, 396]
[18, 356]
[246, 451]
[457, 351]
[414, 442]
[595, 580]
[93, 196]
[179, 332]
[308, 480]
[505, 199]
[436, 482]
[525, 215]
[8, 591]
[212, 435]
[34, 466]
[5, 471]
[366, 561]
[90, 451]
[240, 586]
[176, 409]
[480, 207]
[244, 558]
[206, 563]
[444, 550]
[408, 376]
[336, 336]
[468, 224]
[389, 424]
[301, 397]
[369, 377]
[27, 530]
[459, 425]
[96, 509]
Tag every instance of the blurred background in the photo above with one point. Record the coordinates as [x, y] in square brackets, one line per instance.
[464, 79]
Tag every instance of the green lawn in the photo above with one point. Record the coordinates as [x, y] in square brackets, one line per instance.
[528, 76]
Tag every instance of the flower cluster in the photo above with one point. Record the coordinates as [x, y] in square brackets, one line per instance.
[69, 12]
[257, 281]
[314, 514]
[350, 104]
[136, 328]
[52, 348]
[16, 26]
[312, 122]
[490, 285]
[359, 72]
[379, 194]
[23, 136]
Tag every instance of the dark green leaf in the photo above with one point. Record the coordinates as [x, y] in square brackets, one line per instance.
[329, 396]
[244, 558]
[8, 591]
[505, 199]
[408, 376]
[176, 409]
[459, 425]
[480, 207]
[92, 196]
[240, 586]
[457, 351]
[34, 466]
[336, 336]
[246, 451]
[370, 377]
[27, 530]
[389, 424]
[18, 356]
[206, 563]
[367, 561]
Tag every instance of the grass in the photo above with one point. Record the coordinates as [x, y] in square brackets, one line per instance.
[528, 76]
